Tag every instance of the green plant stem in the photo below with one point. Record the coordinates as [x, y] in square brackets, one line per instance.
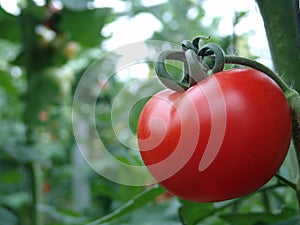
[162, 72]
[133, 204]
[281, 21]
[296, 140]
[286, 181]
[209, 49]
[29, 46]
[36, 178]
[254, 64]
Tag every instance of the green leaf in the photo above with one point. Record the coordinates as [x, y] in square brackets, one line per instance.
[65, 217]
[258, 218]
[135, 113]
[164, 213]
[9, 52]
[25, 154]
[9, 26]
[7, 217]
[7, 84]
[16, 200]
[10, 177]
[290, 165]
[138, 201]
[193, 212]
[291, 221]
[85, 26]
[239, 16]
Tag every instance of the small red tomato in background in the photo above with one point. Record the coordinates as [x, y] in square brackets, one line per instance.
[223, 138]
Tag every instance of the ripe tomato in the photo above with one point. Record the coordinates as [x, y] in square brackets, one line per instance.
[223, 138]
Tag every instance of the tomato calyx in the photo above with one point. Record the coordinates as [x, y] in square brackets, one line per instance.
[194, 70]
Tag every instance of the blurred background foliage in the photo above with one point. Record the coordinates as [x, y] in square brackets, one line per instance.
[45, 47]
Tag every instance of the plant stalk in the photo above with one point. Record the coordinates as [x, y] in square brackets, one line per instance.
[35, 173]
[33, 168]
[282, 22]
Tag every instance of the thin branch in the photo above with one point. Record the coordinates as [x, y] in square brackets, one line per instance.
[286, 181]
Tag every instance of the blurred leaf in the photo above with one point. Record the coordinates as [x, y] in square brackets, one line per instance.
[12, 131]
[62, 216]
[76, 5]
[291, 221]
[7, 217]
[84, 59]
[239, 16]
[16, 200]
[175, 69]
[135, 113]
[258, 218]
[9, 26]
[85, 26]
[48, 88]
[101, 188]
[25, 154]
[8, 49]
[193, 212]
[10, 177]
[290, 165]
[159, 214]
[7, 84]
[138, 201]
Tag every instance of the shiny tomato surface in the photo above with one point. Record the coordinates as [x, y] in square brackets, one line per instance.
[223, 138]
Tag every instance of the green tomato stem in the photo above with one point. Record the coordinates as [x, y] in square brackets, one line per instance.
[291, 95]
[196, 69]
[293, 98]
[256, 65]
[197, 39]
[185, 45]
[219, 55]
[162, 73]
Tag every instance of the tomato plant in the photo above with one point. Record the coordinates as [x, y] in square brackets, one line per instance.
[221, 138]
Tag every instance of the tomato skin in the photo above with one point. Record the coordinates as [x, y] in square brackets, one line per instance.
[223, 138]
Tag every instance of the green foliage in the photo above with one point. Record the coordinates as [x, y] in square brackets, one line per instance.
[44, 52]
[135, 203]
[90, 23]
[286, 46]
[9, 26]
[192, 213]
[258, 218]
[8, 217]
[135, 112]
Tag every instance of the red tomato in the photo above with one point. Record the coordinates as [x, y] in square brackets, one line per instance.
[223, 138]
